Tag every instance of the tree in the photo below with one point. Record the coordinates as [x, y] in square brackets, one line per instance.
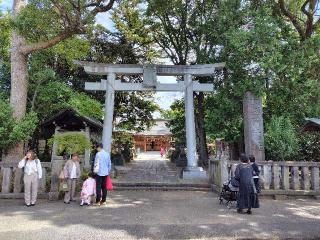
[13, 131]
[174, 28]
[281, 140]
[32, 33]
[302, 14]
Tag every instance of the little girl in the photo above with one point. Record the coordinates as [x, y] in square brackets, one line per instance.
[88, 190]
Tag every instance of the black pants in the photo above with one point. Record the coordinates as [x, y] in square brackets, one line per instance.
[101, 185]
[257, 185]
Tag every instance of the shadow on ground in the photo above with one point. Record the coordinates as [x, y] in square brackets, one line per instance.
[159, 215]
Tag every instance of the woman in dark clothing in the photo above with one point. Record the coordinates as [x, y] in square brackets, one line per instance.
[247, 197]
[256, 172]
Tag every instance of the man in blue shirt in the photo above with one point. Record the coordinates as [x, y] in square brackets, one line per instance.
[102, 168]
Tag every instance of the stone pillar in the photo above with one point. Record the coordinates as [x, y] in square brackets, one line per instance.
[315, 178]
[56, 167]
[285, 177]
[6, 179]
[190, 122]
[267, 176]
[295, 178]
[192, 171]
[108, 109]
[305, 178]
[276, 176]
[253, 126]
[87, 152]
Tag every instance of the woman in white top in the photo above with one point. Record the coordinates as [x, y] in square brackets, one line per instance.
[71, 173]
[32, 174]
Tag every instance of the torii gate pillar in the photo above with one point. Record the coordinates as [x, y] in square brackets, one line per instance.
[192, 171]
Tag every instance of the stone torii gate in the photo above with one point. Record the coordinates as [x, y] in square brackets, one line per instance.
[150, 73]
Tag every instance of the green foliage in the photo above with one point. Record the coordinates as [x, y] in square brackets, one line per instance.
[13, 131]
[281, 140]
[309, 146]
[63, 16]
[59, 95]
[69, 143]
[176, 115]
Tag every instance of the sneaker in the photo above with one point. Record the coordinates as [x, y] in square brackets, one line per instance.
[81, 204]
[32, 204]
[67, 202]
[249, 211]
[97, 204]
[103, 203]
[28, 205]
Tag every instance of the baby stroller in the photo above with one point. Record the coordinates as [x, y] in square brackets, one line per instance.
[228, 193]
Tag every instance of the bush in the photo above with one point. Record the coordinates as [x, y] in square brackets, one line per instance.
[281, 140]
[68, 143]
[309, 147]
[13, 131]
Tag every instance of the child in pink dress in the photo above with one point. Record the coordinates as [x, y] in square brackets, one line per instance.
[88, 190]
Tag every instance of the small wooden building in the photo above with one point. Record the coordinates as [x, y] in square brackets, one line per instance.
[157, 136]
[69, 120]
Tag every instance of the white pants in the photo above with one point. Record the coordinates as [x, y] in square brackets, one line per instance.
[30, 188]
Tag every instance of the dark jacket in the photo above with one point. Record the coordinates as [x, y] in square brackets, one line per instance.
[247, 197]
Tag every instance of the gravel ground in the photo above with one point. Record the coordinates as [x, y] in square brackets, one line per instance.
[159, 215]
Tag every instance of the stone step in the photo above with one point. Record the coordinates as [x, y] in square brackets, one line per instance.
[155, 188]
[161, 186]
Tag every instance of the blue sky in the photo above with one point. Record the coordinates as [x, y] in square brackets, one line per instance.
[5, 4]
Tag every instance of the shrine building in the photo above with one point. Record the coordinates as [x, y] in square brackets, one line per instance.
[157, 136]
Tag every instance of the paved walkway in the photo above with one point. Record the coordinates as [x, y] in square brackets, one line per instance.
[159, 215]
[150, 167]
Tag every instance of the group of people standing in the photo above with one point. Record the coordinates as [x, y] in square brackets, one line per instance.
[94, 185]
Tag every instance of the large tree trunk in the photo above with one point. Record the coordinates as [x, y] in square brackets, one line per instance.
[19, 83]
[201, 133]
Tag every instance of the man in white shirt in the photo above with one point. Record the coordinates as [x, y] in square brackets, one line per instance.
[71, 172]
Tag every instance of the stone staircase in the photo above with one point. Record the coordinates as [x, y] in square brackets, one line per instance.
[161, 186]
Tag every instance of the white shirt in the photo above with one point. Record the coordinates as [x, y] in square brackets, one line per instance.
[33, 166]
[73, 173]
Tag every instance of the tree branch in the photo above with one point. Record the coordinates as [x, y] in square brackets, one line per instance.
[103, 8]
[46, 44]
[292, 18]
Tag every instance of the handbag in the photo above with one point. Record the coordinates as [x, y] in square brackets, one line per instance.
[61, 175]
[63, 186]
[109, 183]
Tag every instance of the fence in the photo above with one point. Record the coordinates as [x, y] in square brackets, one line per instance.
[11, 182]
[280, 178]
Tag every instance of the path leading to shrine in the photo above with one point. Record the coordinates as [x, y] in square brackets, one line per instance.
[150, 167]
[159, 215]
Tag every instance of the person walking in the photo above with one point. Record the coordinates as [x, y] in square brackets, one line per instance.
[162, 151]
[71, 172]
[32, 174]
[101, 167]
[247, 197]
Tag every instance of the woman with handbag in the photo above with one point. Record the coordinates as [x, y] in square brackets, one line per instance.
[71, 173]
[32, 173]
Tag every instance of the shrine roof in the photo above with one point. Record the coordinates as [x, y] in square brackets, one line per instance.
[158, 129]
[311, 124]
[68, 117]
